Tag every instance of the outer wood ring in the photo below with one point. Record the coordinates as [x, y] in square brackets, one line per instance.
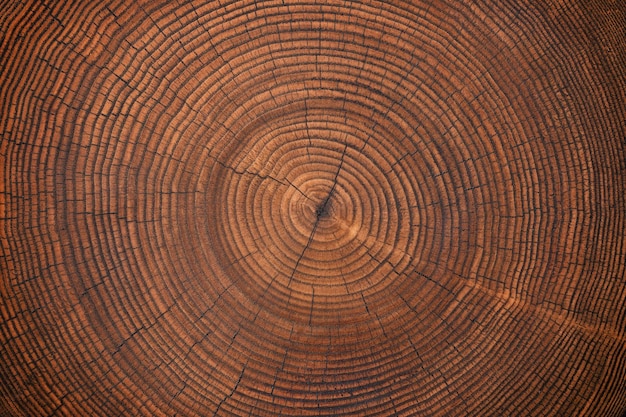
[260, 208]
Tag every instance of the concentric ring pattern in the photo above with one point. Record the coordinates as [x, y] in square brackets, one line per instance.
[313, 208]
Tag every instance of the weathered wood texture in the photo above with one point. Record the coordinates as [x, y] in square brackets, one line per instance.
[313, 208]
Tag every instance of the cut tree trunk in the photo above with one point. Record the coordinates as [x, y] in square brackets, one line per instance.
[313, 208]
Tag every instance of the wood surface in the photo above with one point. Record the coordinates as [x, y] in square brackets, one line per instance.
[281, 208]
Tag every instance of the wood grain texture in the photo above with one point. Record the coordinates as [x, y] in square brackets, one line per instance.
[313, 208]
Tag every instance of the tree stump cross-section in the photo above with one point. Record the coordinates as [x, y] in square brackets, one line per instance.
[305, 208]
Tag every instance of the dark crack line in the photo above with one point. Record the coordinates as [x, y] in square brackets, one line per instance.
[297, 189]
[320, 211]
[332, 190]
[232, 392]
[295, 268]
[246, 172]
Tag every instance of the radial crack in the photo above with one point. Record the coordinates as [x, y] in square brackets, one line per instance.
[322, 208]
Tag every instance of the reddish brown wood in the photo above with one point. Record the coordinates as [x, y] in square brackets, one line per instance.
[312, 208]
